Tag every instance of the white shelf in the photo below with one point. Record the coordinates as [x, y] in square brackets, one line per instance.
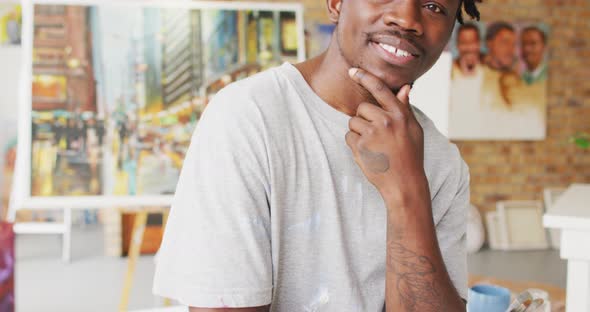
[95, 202]
[39, 228]
[571, 209]
[570, 213]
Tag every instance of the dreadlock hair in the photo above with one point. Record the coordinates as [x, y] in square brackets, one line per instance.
[470, 7]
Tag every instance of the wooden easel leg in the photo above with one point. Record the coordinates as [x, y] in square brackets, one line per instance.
[134, 249]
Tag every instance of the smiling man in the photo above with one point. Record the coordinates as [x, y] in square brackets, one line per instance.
[501, 43]
[318, 187]
[533, 43]
[468, 46]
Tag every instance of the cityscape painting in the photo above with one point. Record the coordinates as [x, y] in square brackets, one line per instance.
[118, 89]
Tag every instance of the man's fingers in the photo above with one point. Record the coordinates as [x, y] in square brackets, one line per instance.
[403, 97]
[359, 125]
[370, 112]
[352, 139]
[404, 94]
[375, 86]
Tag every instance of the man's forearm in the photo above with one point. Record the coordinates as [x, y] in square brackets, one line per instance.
[416, 278]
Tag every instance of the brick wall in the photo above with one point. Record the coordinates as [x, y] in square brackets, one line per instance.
[520, 170]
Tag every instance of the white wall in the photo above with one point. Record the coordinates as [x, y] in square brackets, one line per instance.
[431, 93]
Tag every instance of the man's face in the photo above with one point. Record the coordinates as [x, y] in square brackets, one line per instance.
[468, 47]
[533, 48]
[397, 41]
[502, 48]
[468, 42]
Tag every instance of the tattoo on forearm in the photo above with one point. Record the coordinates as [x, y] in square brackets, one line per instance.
[414, 279]
[376, 162]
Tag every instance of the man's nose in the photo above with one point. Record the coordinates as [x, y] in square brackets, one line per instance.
[405, 15]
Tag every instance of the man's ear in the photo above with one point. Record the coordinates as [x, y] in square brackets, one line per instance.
[334, 10]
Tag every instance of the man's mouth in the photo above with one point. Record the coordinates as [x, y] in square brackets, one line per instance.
[395, 51]
[396, 44]
[394, 55]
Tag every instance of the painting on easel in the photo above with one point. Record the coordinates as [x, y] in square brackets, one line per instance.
[118, 87]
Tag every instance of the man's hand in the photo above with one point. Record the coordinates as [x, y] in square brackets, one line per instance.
[387, 141]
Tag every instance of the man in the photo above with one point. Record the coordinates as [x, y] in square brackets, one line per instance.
[468, 46]
[500, 77]
[465, 114]
[501, 43]
[314, 187]
[533, 43]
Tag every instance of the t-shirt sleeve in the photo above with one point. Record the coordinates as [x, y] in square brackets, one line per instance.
[452, 232]
[216, 247]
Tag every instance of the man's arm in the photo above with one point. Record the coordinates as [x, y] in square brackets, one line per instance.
[416, 278]
[253, 309]
[388, 145]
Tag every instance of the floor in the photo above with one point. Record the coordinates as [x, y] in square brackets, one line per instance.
[93, 282]
[543, 266]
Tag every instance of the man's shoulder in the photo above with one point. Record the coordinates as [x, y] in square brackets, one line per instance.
[258, 87]
[432, 136]
[255, 104]
[247, 95]
[439, 151]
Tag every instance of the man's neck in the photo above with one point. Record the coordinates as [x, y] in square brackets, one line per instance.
[327, 75]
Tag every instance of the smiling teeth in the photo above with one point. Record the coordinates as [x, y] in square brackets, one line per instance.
[393, 50]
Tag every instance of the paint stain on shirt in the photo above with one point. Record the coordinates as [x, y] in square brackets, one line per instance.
[310, 224]
[321, 298]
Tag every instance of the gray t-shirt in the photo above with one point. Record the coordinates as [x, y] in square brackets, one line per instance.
[271, 207]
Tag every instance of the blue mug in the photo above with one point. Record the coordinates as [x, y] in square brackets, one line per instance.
[488, 298]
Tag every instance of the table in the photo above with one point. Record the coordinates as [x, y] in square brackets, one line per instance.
[571, 214]
[556, 294]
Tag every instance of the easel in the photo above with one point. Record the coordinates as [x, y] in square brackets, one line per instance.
[139, 224]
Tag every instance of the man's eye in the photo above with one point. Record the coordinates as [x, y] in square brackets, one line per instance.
[434, 8]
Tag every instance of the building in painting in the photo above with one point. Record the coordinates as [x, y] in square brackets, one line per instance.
[62, 65]
[182, 64]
